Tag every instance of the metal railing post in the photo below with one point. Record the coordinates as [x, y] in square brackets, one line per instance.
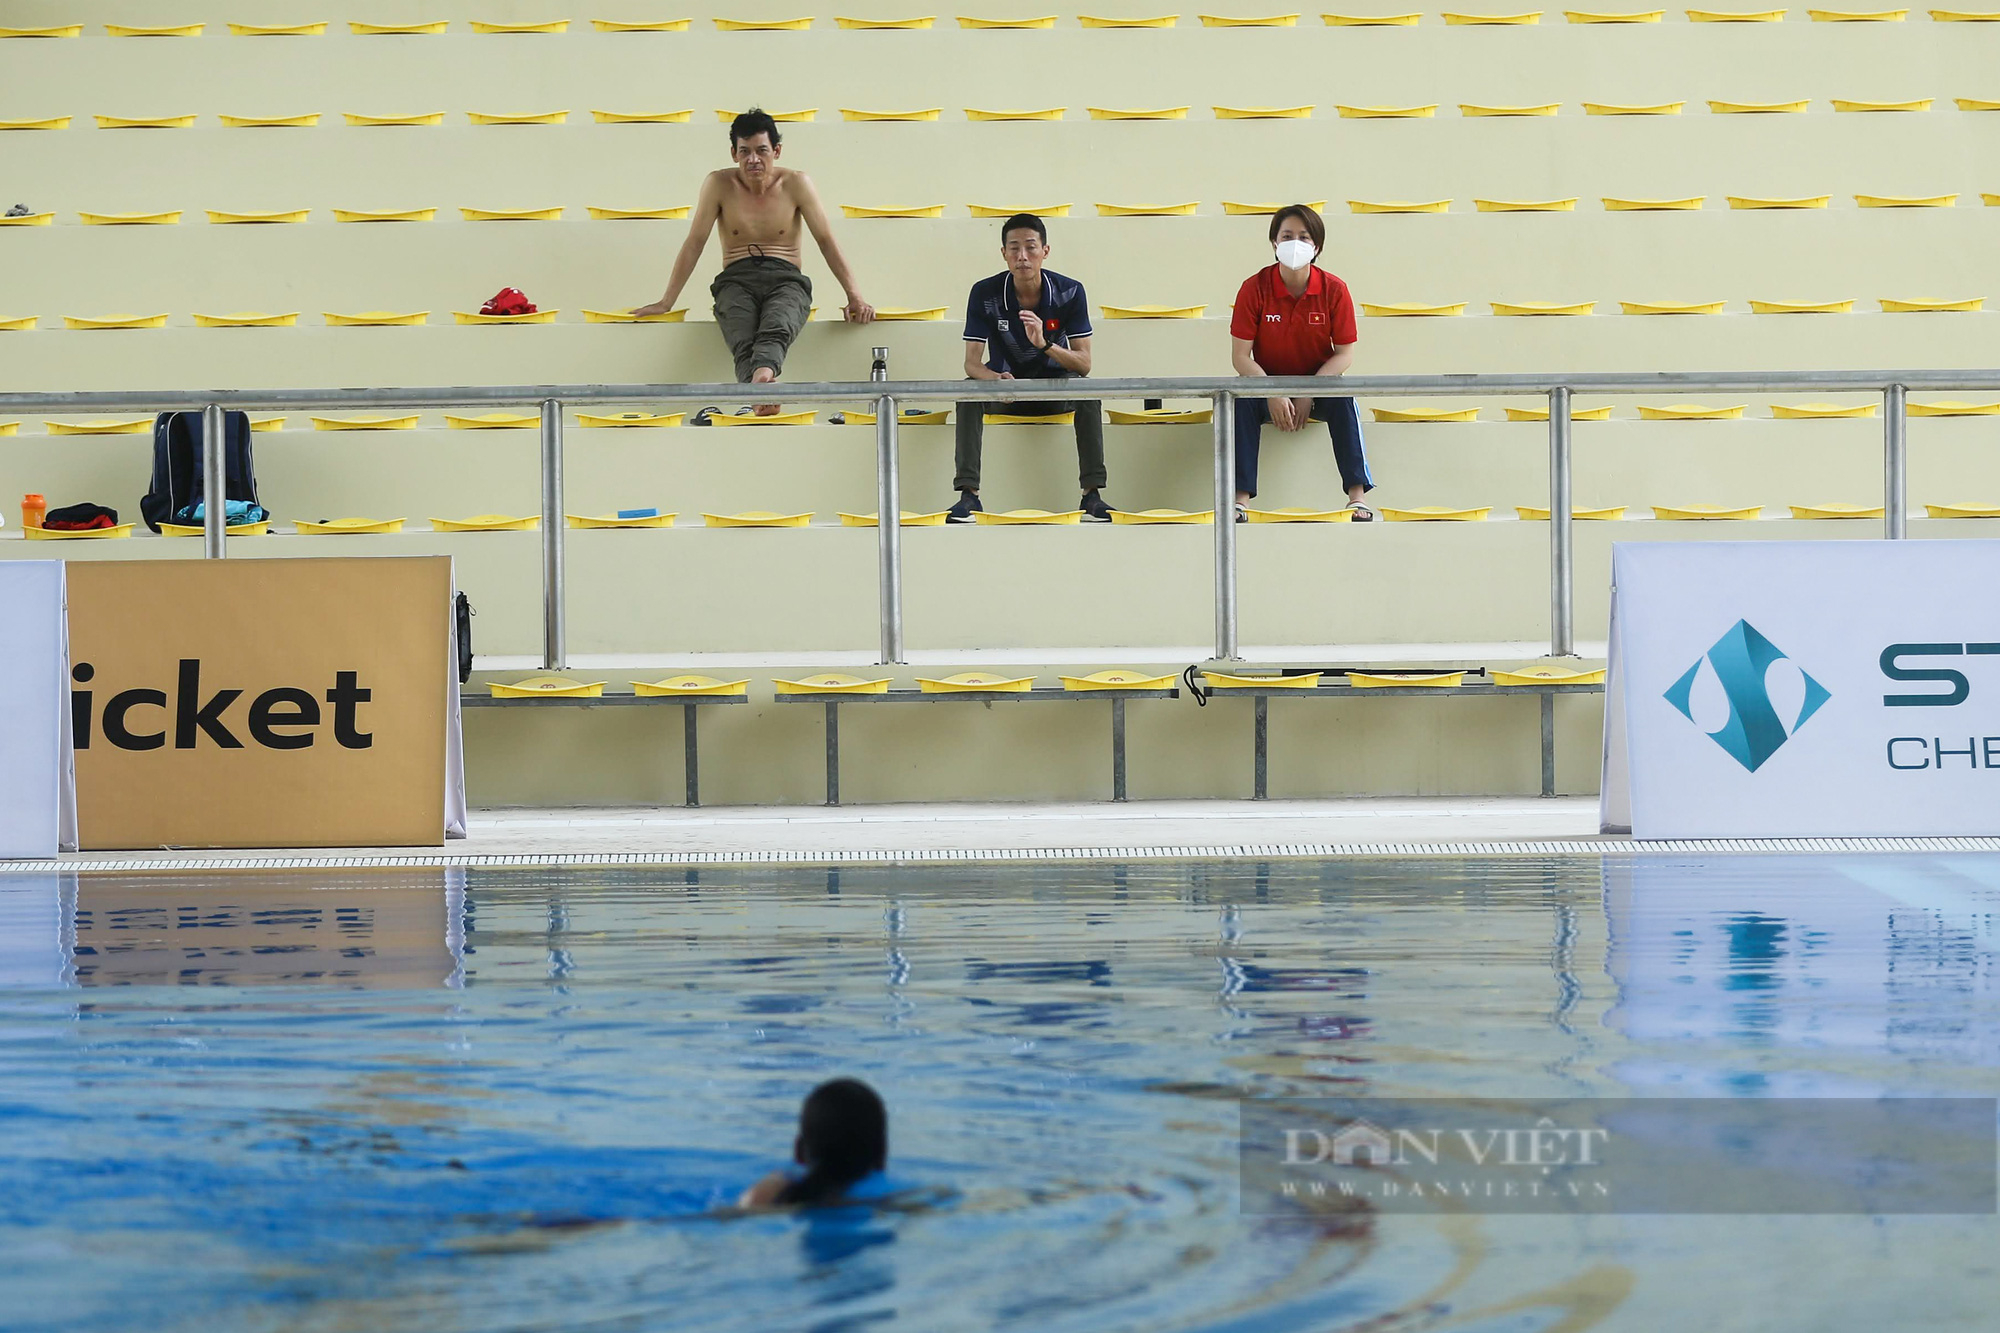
[554, 591]
[1895, 464]
[1224, 420]
[1562, 554]
[888, 514]
[214, 483]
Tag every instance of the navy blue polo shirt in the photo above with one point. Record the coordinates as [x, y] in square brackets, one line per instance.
[993, 316]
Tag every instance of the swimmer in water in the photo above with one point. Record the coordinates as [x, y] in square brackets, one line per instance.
[843, 1139]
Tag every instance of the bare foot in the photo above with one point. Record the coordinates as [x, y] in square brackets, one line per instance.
[765, 375]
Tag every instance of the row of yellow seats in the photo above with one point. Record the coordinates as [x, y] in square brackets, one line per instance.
[1692, 412]
[1422, 111]
[550, 27]
[1230, 208]
[259, 319]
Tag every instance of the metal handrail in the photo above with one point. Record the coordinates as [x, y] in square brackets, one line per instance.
[885, 395]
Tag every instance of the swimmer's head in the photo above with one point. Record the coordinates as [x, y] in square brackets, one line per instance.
[843, 1136]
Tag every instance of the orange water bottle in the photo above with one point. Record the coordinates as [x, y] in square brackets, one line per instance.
[33, 509]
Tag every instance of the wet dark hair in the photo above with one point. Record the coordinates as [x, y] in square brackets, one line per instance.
[1024, 221]
[750, 124]
[843, 1135]
[1308, 218]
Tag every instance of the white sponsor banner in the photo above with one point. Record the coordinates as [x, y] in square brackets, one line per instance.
[1803, 689]
[37, 772]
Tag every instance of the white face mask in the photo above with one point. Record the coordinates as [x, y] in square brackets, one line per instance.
[1295, 254]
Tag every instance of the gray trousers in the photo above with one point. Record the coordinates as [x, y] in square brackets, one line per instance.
[1089, 427]
[760, 306]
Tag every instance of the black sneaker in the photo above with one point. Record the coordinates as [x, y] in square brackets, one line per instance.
[962, 512]
[1094, 509]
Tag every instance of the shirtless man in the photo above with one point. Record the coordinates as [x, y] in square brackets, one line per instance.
[762, 299]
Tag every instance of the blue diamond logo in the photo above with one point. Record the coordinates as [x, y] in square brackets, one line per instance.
[1754, 731]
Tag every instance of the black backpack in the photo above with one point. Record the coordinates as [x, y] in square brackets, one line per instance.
[177, 472]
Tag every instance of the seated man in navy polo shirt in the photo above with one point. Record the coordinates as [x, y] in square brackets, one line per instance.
[1032, 323]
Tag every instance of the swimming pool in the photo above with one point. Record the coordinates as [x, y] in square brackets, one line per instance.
[508, 1099]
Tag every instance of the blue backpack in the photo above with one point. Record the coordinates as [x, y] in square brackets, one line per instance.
[177, 470]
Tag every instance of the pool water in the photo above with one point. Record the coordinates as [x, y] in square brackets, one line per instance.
[521, 1099]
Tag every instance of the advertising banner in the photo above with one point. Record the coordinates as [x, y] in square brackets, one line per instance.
[37, 787]
[262, 703]
[1803, 689]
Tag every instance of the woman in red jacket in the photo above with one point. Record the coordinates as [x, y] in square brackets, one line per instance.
[1294, 318]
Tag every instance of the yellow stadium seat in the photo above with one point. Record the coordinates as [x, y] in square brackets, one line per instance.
[1626, 109]
[1412, 309]
[1964, 16]
[29, 220]
[1672, 307]
[885, 25]
[1801, 307]
[266, 423]
[261, 528]
[1263, 112]
[1808, 201]
[183, 30]
[1952, 408]
[1475, 109]
[282, 30]
[800, 116]
[630, 420]
[1638, 16]
[831, 682]
[1963, 306]
[41, 123]
[1492, 20]
[1542, 414]
[1153, 311]
[1820, 411]
[1145, 517]
[435, 29]
[519, 29]
[17, 323]
[1857, 16]
[1047, 21]
[420, 118]
[64, 30]
[1218, 680]
[247, 319]
[168, 219]
[1370, 20]
[643, 117]
[1147, 210]
[627, 317]
[911, 314]
[1836, 509]
[511, 214]
[1237, 208]
[1436, 514]
[1424, 415]
[143, 122]
[980, 682]
[1906, 200]
[1920, 104]
[376, 319]
[762, 25]
[86, 534]
[390, 215]
[1756, 108]
[1384, 680]
[349, 526]
[690, 685]
[364, 423]
[1542, 307]
[1045, 113]
[1160, 416]
[1691, 513]
[777, 419]
[1294, 514]
[1398, 206]
[136, 426]
[998, 211]
[928, 113]
[1117, 679]
[1424, 112]
[1013, 419]
[1990, 200]
[1269, 21]
[534, 317]
[1525, 205]
[494, 421]
[1094, 21]
[604, 213]
[621, 25]
[1687, 205]
[1138, 113]
[613, 521]
[488, 523]
[908, 417]
[757, 518]
[1735, 16]
[1028, 517]
[1605, 514]
[306, 121]
[915, 211]
[115, 322]
[1976, 104]
[1549, 675]
[517, 118]
[1692, 412]
[1962, 511]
